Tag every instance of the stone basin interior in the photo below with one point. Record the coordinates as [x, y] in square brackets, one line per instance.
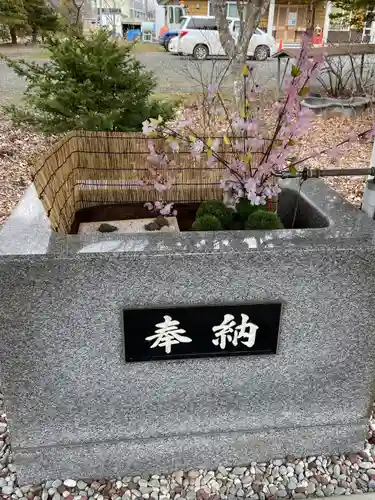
[306, 214]
[290, 203]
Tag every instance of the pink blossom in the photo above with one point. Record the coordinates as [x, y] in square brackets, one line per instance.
[212, 90]
[161, 187]
[334, 153]
[197, 148]
[352, 137]
[238, 124]
[256, 199]
[161, 207]
[211, 161]
[271, 191]
[215, 144]
[167, 209]
[184, 124]
[157, 159]
[251, 185]
[252, 126]
[175, 147]
[240, 166]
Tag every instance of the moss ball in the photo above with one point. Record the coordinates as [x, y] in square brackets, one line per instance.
[218, 209]
[244, 209]
[260, 219]
[207, 223]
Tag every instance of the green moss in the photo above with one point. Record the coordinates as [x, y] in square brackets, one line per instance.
[260, 219]
[244, 209]
[207, 223]
[218, 209]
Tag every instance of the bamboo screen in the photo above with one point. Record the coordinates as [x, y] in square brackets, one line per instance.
[86, 169]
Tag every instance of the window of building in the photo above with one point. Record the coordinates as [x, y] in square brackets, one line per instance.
[232, 10]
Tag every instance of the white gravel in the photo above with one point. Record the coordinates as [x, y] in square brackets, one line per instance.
[289, 477]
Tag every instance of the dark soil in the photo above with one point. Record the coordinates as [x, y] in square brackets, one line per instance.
[102, 213]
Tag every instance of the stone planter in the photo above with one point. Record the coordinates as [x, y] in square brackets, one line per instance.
[78, 406]
[328, 106]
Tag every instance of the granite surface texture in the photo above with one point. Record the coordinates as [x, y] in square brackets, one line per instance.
[28, 231]
[177, 452]
[76, 407]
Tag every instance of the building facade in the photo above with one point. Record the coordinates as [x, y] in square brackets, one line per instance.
[286, 20]
[118, 15]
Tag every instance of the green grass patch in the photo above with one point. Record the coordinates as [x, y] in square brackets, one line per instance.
[144, 47]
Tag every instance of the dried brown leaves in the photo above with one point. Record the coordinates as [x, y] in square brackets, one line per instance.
[327, 132]
[18, 148]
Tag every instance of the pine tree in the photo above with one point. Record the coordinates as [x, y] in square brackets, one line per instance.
[41, 18]
[89, 83]
[354, 13]
[13, 15]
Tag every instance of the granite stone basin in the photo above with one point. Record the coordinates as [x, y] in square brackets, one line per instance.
[296, 211]
[327, 105]
[79, 408]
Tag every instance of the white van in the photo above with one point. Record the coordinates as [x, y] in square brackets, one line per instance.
[199, 37]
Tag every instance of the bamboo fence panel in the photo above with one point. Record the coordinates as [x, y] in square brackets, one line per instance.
[86, 169]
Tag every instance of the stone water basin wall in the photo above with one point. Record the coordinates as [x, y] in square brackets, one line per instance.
[77, 408]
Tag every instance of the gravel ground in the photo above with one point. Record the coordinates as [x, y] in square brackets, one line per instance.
[290, 477]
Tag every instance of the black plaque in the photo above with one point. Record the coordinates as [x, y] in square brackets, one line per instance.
[196, 332]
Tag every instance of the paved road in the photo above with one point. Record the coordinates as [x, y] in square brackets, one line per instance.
[175, 74]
